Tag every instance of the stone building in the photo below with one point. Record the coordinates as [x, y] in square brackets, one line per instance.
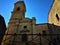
[54, 21]
[2, 28]
[25, 31]
[54, 14]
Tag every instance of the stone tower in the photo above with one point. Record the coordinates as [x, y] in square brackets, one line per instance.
[54, 14]
[19, 10]
[19, 26]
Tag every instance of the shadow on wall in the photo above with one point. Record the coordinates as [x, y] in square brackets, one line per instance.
[54, 32]
[2, 28]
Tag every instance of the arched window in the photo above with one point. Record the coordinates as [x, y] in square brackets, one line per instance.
[18, 8]
[57, 16]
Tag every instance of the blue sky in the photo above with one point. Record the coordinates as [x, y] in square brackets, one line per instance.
[34, 8]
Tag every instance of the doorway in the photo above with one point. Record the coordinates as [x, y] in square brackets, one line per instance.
[24, 37]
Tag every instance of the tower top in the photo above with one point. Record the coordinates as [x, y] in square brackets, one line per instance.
[20, 1]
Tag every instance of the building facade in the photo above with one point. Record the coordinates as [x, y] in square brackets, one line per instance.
[54, 21]
[54, 14]
[25, 31]
[2, 28]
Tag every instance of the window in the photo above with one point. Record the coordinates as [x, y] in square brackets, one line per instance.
[18, 8]
[43, 33]
[25, 26]
[57, 16]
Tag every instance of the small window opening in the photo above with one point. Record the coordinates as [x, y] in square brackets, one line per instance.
[43, 33]
[57, 16]
[18, 8]
[25, 26]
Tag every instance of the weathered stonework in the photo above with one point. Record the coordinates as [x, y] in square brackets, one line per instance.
[25, 31]
[55, 9]
[16, 26]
